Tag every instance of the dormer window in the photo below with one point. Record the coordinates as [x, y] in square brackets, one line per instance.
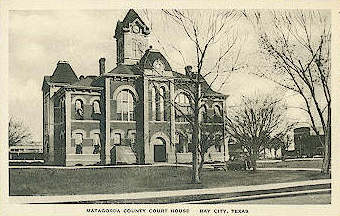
[158, 66]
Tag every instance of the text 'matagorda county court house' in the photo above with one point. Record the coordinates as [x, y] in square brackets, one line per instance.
[125, 115]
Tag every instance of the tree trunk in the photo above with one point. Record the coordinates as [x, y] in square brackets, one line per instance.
[253, 162]
[201, 164]
[195, 167]
[195, 154]
[327, 145]
[196, 135]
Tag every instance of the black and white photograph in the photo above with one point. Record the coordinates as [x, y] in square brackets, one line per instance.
[171, 110]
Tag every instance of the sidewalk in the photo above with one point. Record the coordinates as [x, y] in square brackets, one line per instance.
[161, 194]
[290, 169]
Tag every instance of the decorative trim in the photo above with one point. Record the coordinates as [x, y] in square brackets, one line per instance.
[85, 93]
[160, 85]
[78, 97]
[123, 87]
[187, 93]
[120, 131]
[160, 135]
[94, 99]
[74, 132]
[93, 132]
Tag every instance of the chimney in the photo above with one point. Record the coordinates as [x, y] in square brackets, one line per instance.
[188, 70]
[101, 66]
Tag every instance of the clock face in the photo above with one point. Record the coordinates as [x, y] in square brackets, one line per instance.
[158, 65]
[135, 29]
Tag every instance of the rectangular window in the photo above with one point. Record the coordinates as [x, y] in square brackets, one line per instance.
[96, 107]
[133, 138]
[117, 139]
[96, 143]
[79, 108]
[79, 143]
[96, 139]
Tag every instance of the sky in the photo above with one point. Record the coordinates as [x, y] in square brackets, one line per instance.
[39, 39]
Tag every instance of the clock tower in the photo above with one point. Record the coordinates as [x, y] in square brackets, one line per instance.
[131, 36]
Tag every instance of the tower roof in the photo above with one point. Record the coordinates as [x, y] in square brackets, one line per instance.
[130, 17]
[63, 73]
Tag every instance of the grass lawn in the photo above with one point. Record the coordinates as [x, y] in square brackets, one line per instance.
[136, 179]
[292, 164]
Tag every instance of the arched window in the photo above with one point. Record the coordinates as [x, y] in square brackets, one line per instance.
[204, 114]
[217, 111]
[161, 103]
[79, 108]
[153, 104]
[96, 107]
[96, 143]
[183, 108]
[125, 106]
[117, 138]
[218, 114]
[79, 143]
[183, 142]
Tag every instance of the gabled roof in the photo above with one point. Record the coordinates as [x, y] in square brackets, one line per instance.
[150, 56]
[63, 74]
[130, 17]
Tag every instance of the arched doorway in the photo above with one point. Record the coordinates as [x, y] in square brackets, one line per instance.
[159, 150]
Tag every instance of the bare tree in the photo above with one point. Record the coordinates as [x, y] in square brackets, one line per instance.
[257, 123]
[211, 136]
[211, 34]
[298, 46]
[18, 133]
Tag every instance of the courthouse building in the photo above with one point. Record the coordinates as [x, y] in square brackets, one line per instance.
[135, 113]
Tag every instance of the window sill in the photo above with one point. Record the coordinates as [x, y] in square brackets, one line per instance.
[85, 120]
[158, 121]
[120, 121]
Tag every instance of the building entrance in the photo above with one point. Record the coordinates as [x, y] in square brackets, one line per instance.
[159, 150]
